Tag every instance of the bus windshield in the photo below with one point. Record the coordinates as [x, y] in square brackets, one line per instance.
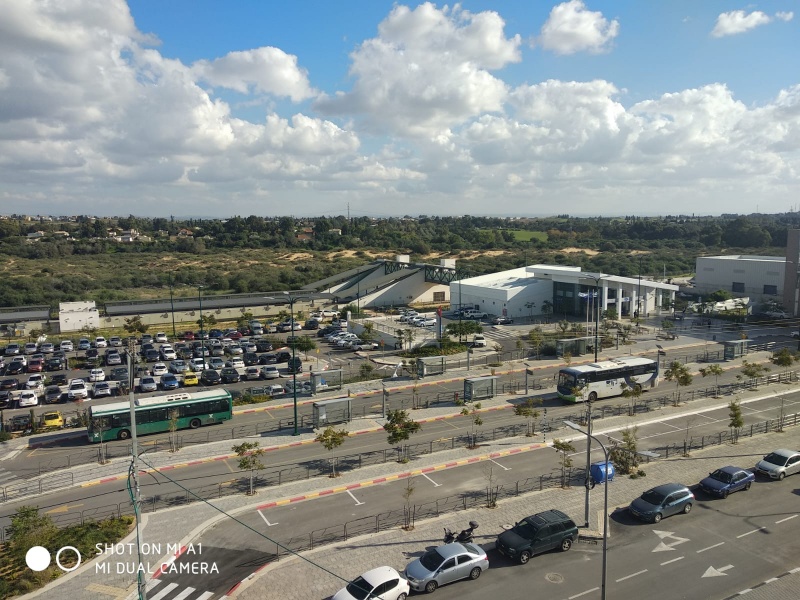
[568, 381]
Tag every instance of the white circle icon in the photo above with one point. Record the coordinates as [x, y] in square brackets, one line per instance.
[58, 558]
[37, 558]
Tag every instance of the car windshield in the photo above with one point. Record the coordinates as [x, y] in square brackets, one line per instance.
[431, 560]
[775, 459]
[359, 588]
[525, 530]
[722, 476]
[653, 497]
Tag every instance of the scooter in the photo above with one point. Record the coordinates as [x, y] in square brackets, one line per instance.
[465, 536]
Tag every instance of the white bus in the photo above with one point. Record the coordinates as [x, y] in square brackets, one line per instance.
[606, 378]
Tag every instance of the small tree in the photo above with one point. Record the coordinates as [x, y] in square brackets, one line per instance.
[536, 339]
[527, 410]
[567, 358]
[563, 326]
[100, 426]
[565, 460]
[331, 439]
[753, 371]
[365, 370]
[547, 307]
[477, 421]
[785, 359]
[625, 332]
[737, 420]
[716, 371]
[492, 489]
[668, 326]
[632, 393]
[679, 373]
[305, 345]
[400, 428]
[530, 306]
[623, 453]
[134, 325]
[408, 492]
[249, 460]
[369, 331]
[173, 427]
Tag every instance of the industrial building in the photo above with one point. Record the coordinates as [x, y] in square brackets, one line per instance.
[760, 278]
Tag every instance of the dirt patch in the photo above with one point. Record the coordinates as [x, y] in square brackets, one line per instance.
[635, 252]
[297, 256]
[577, 250]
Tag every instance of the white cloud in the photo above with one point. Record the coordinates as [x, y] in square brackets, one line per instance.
[572, 28]
[784, 16]
[737, 21]
[427, 70]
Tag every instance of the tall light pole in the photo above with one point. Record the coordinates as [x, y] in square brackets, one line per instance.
[200, 299]
[639, 292]
[134, 470]
[294, 357]
[589, 436]
[172, 306]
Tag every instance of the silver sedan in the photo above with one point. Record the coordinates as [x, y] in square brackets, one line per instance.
[446, 564]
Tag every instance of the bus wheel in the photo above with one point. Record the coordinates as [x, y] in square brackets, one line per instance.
[194, 423]
[593, 397]
[124, 434]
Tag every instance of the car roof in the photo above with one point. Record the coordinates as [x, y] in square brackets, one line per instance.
[450, 550]
[785, 452]
[731, 469]
[379, 575]
[668, 488]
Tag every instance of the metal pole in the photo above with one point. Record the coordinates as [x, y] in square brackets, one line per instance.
[200, 299]
[294, 367]
[172, 306]
[639, 292]
[137, 497]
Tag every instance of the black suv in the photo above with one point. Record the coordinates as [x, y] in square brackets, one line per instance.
[210, 377]
[283, 356]
[295, 365]
[229, 375]
[536, 534]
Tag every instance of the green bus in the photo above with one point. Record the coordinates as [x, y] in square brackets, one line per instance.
[153, 415]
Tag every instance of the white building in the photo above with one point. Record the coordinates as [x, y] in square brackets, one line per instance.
[757, 277]
[522, 292]
[74, 316]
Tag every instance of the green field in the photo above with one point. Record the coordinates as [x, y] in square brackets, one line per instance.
[522, 235]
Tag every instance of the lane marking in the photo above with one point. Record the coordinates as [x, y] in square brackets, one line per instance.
[205, 595]
[432, 481]
[356, 500]
[749, 532]
[786, 519]
[499, 465]
[631, 575]
[712, 572]
[672, 561]
[184, 594]
[595, 589]
[710, 547]
[164, 591]
[265, 519]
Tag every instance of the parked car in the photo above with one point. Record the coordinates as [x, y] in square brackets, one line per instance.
[169, 382]
[662, 501]
[101, 389]
[190, 379]
[229, 375]
[161, 338]
[35, 382]
[12, 349]
[52, 420]
[210, 377]
[167, 352]
[100, 342]
[311, 324]
[120, 374]
[250, 359]
[58, 379]
[52, 394]
[97, 375]
[235, 350]
[215, 362]
[779, 463]
[251, 373]
[27, 398]
[236, 362]
[536, 534]
[178, 366]
[77, 390]
[148, 384]
[66, 346]
[275, 390]
[15, 367]
[5, 398]
[446, 564]
[20, 423]
[727, 480]
[115, 341]
[47, 348]
[263, 346]
[31, 348]
[382, 582]
[9, 383]
[295, 365]
[267, 359]
[198, 364]
[113, 358]
[283, 356]
[35, 365]
[269, 372]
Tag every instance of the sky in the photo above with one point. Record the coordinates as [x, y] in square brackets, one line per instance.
[201, 108]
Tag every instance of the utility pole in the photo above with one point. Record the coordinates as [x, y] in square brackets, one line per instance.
[134, 472]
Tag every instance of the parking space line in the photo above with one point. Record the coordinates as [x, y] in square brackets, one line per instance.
[749, 532]
[631, 575]
[356, 500]
[672, 561]
[594, 589]
[431, 480]
[786, 519]
[265, 519]
[499, 465]
[673, 426]
[710, 547]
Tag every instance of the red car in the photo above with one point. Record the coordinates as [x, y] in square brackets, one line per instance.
[35, 366]
[189, 335]
[235, 335]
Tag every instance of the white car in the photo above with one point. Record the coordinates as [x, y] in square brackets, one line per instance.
[66, 346]
[101, 389]
[77, 390]
[100, 342]
[329, 313]
[167, 352]
[159, 369]
[426, 322]
[97, 375]
[270, 372]
[115, 342]
[27, 398]
[383, 582]
[275, 390]
[35, 382]
[161, 337]
[235, 349]
[252, 373]
[198, 364]
[364, 346]
[236, 362]
[178, 367]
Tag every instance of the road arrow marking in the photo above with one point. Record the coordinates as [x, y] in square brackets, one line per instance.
[712, 572]
[357, 501]
[62, 509]
[666, 547]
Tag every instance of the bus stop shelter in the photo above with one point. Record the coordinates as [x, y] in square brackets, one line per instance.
[480, 388]
[330, 412]
[575, 346]
[431, 365]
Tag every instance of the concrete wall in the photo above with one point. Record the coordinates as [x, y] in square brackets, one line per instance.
[719, 273]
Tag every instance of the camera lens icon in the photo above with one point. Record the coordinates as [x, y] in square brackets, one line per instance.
[38, 558]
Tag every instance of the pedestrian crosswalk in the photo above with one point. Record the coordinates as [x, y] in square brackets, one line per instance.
[501, 333]
[7, 478]
[173, 591]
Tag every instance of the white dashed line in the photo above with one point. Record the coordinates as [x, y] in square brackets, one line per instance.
[749, 532]
[584, 593]
[786, 519]
[710, 547]
[631, 575]
[672, 561]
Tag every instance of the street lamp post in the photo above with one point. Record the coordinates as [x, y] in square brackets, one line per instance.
[292, 300]
[200, 299]
[575, 426]
[172, 306]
